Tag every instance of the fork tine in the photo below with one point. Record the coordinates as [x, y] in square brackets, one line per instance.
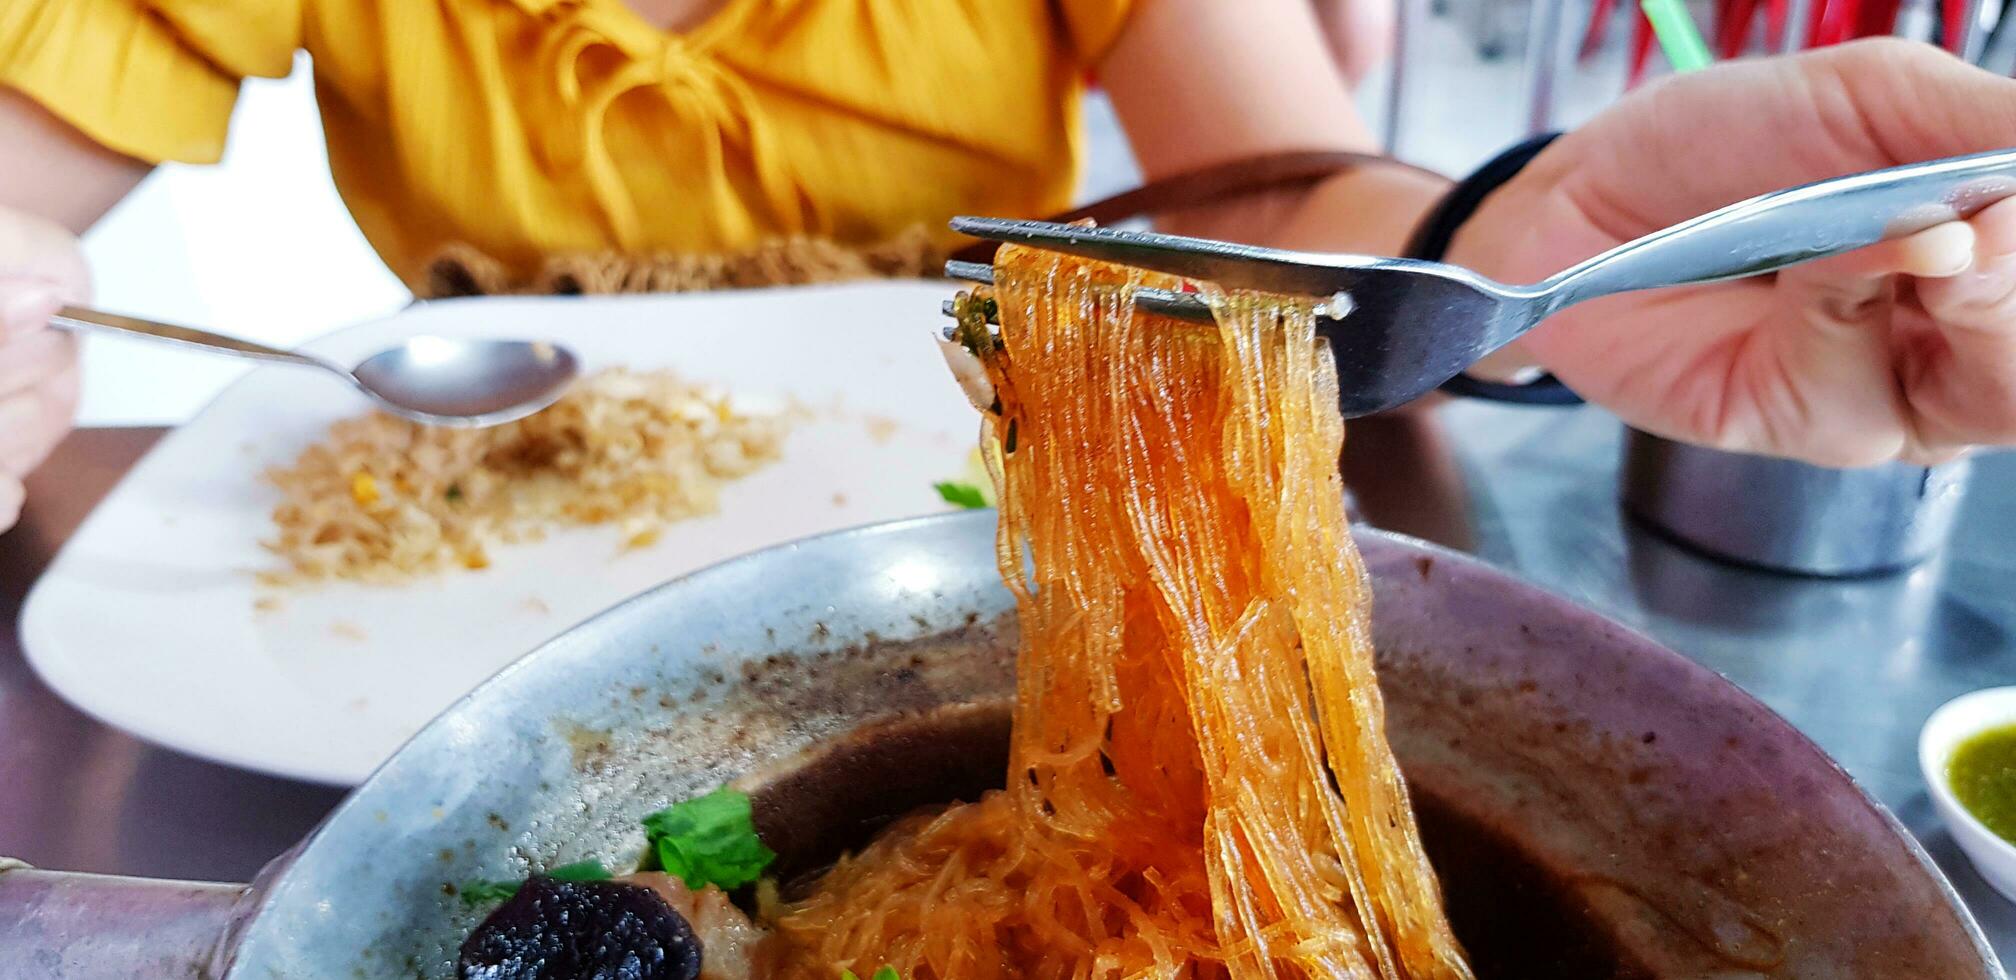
[951, 330]
[979, 272]
[1139, 249]
[1231, 265]
[1225, 263]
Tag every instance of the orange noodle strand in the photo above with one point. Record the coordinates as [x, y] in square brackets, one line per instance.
[1199, 782]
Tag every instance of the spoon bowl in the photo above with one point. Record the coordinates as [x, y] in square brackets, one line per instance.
[443, 381]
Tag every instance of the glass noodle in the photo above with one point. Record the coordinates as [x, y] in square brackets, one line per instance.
[1199, 782]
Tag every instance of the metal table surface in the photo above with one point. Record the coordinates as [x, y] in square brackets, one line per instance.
[1858, 664]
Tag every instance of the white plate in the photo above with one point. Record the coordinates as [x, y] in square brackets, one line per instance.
[147, 620]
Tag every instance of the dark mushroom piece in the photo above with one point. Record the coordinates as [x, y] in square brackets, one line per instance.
[582, 930]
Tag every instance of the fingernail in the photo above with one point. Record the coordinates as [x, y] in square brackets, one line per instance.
[1953, 245]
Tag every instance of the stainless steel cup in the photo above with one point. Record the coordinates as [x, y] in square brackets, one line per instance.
[1789, 516]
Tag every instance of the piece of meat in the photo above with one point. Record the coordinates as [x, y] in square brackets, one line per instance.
[582, 930]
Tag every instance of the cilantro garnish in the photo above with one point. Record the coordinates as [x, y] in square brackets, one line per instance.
[709, 840]
[961, 494]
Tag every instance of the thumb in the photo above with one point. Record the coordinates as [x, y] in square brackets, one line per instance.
[11, 496]
[26, 309]
[41, 268]
[35, 250]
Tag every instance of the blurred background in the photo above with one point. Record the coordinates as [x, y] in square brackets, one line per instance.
[194, 244]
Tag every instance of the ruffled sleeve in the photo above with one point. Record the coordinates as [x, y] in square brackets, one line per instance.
[1093, 25]
[153, 79]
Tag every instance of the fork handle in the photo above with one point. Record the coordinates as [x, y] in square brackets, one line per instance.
[1788, 227]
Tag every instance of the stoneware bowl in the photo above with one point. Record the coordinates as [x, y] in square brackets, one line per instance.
[1597, 806]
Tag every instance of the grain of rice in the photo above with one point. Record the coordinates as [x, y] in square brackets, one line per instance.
[383, 499]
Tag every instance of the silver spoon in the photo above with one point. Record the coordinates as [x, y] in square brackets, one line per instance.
[432, 380]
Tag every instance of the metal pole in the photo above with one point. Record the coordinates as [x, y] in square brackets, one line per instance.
[1974, 31]
[1918, 20]
[1796, 16]
[1408, 16]
[1998, 48]
[1543, 62]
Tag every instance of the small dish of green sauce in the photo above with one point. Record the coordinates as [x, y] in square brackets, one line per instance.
[1982, 773]
[1967, 752]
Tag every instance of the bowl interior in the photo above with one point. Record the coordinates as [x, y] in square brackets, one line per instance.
[1515, 916]
[1598, 806]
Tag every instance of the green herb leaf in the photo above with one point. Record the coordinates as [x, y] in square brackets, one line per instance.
[961, 494]
[886, 973]
[709, 840]
[482, 892]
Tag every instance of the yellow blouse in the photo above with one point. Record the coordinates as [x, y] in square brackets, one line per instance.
[530, 128]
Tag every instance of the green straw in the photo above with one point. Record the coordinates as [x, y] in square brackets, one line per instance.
[1678, 37]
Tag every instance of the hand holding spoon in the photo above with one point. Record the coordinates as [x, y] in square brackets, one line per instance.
[431, 380]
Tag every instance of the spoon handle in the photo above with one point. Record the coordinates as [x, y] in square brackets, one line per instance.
[82, 319]
[1771, 232]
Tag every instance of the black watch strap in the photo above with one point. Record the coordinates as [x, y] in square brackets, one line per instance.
[1431, 241]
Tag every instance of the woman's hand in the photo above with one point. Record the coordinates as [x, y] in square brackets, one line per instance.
[40, 270]
[1906, 350]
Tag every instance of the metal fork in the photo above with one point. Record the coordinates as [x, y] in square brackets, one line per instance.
[1401, 327]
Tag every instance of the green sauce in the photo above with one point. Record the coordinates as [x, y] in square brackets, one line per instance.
[1983, 776]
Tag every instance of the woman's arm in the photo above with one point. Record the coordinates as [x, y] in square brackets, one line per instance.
[54, 183]
[1204, 82]
[48, 168]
